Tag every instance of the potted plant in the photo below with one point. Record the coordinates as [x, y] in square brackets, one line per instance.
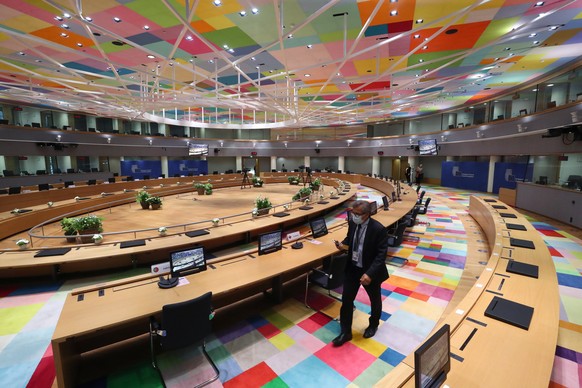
[50, 204]
[97, 238]
[162, 230]
[155, 202]
[200, 187]
[315, 184]
[142, 198]
[263, 205]
[22, 243]
[69, 227]
[293, 180]
[208, 189]
[257, 182]
[303, 193]
[215, 221]
[87, 226]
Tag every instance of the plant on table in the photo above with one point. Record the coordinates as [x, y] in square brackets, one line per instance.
[303, 193]
[142, 198]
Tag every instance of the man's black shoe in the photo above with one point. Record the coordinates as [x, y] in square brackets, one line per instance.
[342, 339]
[370, 331]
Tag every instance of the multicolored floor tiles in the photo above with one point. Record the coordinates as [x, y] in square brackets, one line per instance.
[289, 345]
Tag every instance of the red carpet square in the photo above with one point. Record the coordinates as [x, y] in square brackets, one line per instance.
[269, 330]
[348, 360]
[257, 376]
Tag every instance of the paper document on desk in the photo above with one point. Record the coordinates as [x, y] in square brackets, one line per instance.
[183, 281]
[315, 242]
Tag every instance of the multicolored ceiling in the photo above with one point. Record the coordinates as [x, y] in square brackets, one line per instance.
[284, 62]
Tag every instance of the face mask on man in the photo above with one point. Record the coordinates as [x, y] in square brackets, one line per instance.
[357, 219]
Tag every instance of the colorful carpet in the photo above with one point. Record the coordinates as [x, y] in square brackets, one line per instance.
[288, 344]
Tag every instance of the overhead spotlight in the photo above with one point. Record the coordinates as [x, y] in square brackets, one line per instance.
[67, 15]
[146, 27]
[253, 59]
[217, 3]
[309, 46]
[60, 19]
[80, 44]
[65, 26]
[393, 13]
[150, 56]
[416, 36]
[231, 50]
[539, 4]
[254, 11]
[307, 75]
[88, 18]
[116, 19]
[419, 21]
[242, 13]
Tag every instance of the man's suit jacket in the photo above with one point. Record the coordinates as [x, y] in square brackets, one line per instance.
[374, 251]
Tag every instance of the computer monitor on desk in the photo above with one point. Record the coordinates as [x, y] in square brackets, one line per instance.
[432, 359]
[187, 261]
[385, 202]
[318, 227]
[270, 242]
[373, 208]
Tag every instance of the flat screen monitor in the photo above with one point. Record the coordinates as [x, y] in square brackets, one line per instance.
[187, 261]
[427, 147]
[91, 182]
[270, 242]
[318, 227]
[35, 125]
[373, 208]
[4, 121]
[432, 360]
[69, 183]
[385, 202]
[43, 186]
[393, 196]
[198, 149]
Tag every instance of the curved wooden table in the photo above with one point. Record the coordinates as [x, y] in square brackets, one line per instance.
[496, 354]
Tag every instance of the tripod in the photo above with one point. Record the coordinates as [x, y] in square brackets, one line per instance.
[306, 179]
[245, 181]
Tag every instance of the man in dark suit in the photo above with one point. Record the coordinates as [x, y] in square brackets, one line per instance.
[366, 244]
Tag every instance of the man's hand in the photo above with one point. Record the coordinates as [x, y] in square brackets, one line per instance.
[365, 280]
[340, 246]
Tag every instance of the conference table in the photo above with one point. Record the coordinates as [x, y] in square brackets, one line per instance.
[104, 314]
[486, 352]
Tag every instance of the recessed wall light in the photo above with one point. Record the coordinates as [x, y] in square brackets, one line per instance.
[146, 27]
[150, 56]
[231, 50]
[88, 18]
[80, 44]
[309, 46]
[67, 15]
[255, 11]
[60, 19]
[65, 26]
[242, 13]
[307, 75]
[64, 35]
[217, 3]
[539, 4]
[190, 38]
[253, 59]
[116, 19]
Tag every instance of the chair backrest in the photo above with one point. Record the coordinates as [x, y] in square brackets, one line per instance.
[412, 217]
[186, 322]
[421, 195]
[336, 271]
[14, 190]
[426, 204]
[417, 189]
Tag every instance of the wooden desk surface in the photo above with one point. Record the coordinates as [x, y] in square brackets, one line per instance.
[499, 354]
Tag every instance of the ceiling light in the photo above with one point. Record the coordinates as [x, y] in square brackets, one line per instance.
[60, 19]
[211, 60]
[394, 1]
[421, 60]
[550, 85]
[225, 46]
[64, 35]
[146, 27]
[255, 11]
[532, 35]
[307, 75]
[539, 4]
[253, 59]
[188, 37]
[88, 18]
[231, 50]
[217, 3]
[65, 26]
[553, 28]
[116, 19]
[309, 46]
[150, 56]
[536, 42]
[290, 36]
[67, 15]
[419, 21]
[416, 36]
[534, 90]
[21, 53]
[242, 13]
[507, 48]
[424, 47]
[393, 13]
[80, 44]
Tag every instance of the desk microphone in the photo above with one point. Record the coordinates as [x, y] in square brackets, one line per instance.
[168, 283]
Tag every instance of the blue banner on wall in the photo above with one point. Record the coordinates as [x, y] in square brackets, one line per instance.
[141, 169]
[465, 175]
[508, 174]
[187, 167]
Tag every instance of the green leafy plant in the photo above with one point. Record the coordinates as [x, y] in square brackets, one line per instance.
[199, 185]
[208, 189]
[315, 184]
[263, 203]
[155, 200]
[142, 196]
[90, 222]
[293, 180]
[257, 182]
[302, 193]
[69, 226]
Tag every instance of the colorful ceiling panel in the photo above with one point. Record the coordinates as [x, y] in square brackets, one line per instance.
[309, 62]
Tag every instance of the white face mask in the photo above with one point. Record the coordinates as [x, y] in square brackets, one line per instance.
[357, 219]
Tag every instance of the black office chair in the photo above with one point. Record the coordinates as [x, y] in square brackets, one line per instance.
[420, 197]
[14, 190]
[111, 180]
[146, 177]
[417, 189]
[410, 218]
[395, 238]
[422, 209]
[8, 172]
[183, 325]
[43, 186]
[69, 183]
[330, 277]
